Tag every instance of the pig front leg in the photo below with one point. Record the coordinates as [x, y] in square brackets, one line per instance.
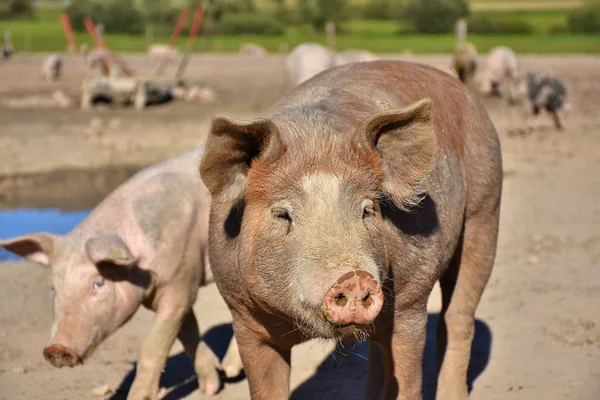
[232, 363]
[401, 356]
[154, 353]
[267, 366]
[205, 361]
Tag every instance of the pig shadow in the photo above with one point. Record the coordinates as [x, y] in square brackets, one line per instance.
[343, 375]
[179, 377]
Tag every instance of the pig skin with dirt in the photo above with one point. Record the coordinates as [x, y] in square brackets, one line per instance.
[335, 214]
[145, 244]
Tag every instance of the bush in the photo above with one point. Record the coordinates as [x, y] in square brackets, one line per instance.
[79, 9]
[20, 9]
[257, 24]
[434, 16]
[319, 12]
[558, 29]
[488, 25]
[585, 20]
[379, 10]
[119, 16]
[158, 13]
[122, 17]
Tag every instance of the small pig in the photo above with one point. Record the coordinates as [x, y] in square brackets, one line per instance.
[307, 60]
[334, 215]
[500, 67]
[52, 67]
[534, 92]
[145, 244]
[464, 59]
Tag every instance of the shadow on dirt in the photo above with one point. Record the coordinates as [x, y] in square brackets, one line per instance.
[344, 376]
[179, 377]
[340, 376]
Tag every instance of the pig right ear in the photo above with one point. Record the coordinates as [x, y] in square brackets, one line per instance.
[37, 247]
[109, 248]
[231, 148]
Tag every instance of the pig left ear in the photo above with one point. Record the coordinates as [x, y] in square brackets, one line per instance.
[109, 248]
[405, 140]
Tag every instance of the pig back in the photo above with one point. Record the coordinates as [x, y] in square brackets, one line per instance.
[161, 213]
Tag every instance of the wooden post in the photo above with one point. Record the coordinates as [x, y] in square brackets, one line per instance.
[149, 35]
[330, 31]
[100, 31]
[189, 45]
[27, 41]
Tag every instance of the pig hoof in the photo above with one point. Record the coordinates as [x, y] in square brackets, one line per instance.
[210, 385]
[232, 371]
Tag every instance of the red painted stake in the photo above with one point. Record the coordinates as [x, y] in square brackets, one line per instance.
[66, 24]
[179, 26]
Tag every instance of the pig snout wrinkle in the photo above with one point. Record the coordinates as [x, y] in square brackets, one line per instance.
[356, 298]
[60, 356]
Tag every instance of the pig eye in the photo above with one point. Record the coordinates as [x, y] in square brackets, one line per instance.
[368, 208]
[52, 290]
[281, 213]
[98, 283]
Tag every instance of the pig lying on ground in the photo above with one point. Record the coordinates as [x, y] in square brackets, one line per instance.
[145, 244]
[352, 56]
[307, 60]
[500, 67]
[163, 50]
[334, 215]
[254, 50]
[535, 92]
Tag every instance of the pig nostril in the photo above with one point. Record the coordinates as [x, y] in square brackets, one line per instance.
[367, 299]
[340, 300]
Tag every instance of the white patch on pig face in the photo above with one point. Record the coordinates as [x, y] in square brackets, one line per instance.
[318, 230]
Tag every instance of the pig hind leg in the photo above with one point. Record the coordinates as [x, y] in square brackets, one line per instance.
[462, 286]
[205, 361]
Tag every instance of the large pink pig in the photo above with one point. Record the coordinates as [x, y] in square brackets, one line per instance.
[335, 213]
[145, 244]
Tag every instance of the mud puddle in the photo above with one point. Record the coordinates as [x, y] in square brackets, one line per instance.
[64, 189]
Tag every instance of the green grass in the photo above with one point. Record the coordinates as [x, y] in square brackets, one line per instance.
[541, 21]
[45, 34]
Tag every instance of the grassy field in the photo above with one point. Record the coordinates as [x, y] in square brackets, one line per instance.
[45, 34]
[541, 21]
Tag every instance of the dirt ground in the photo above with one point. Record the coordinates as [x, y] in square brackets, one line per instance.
[538, 325]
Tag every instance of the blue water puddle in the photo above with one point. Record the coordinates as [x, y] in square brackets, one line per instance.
[19, 222]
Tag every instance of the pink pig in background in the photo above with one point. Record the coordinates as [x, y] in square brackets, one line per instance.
[145, 244]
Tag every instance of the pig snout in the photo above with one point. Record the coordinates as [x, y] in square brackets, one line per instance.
[356, 298]
[60, 356]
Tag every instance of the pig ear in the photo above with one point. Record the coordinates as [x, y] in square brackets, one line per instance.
[231, 148]
[109, 248]
[37, 247]
[405, 140]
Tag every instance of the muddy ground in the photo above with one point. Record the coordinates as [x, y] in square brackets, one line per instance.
[538, 326]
